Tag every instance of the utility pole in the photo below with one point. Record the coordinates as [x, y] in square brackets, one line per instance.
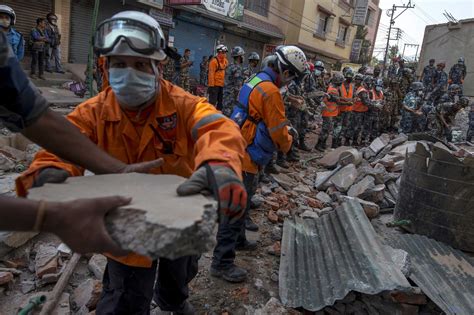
[392, 22]
[411, 45]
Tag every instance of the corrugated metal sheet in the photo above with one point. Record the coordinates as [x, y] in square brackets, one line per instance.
[444, 274]
[323, 260]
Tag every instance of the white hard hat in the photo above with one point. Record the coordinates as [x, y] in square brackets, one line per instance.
[131, 33]
[9, 11]
[221, 47]
[293, 58]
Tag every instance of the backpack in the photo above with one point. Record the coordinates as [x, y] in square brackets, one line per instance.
[262, 147]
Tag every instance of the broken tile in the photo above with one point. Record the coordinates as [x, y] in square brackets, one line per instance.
[156, 212]
[46, 260]
[361, 187]
[324, 198]
[345, 177]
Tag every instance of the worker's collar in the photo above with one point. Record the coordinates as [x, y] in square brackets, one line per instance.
[271, 73]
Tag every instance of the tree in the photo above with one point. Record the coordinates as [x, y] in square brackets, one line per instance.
[364, 55]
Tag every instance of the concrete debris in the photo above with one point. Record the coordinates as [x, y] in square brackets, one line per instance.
[300, 188]
[179, 226]
[272, 216]
[5, 277]
[6, 164]
[407, 147]
[379, 143]
[257, 201]
[283, 213]
[371, 209]
[46, 260]
[64, 250]
[48, 278]
[345, 177]
[284, 181]
[273, 307]
[358, 189]
[97, 265]
[322, 180]
[274, 249]
[401, 138]
[324, 198]
[374, 194]
[27, 286]
[266, 191]
[87, 294]
[331, 159]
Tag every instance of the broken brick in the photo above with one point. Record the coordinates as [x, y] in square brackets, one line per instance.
[87, 294]
[5, 277]
[272, 216]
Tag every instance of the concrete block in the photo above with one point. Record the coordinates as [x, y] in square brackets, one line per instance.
[345, 177]
[157, 223]
[361, 187]
[379, 143]
[331, 159]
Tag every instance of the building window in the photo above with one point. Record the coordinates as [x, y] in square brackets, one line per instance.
[323, 25]
[370, 19]
[342, 34]
[258, 6]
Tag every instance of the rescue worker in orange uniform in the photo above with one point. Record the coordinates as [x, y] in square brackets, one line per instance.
[216, 77]
[360, 110]
[330, 111]
[261, 117]
[142, 117]
[345, 110]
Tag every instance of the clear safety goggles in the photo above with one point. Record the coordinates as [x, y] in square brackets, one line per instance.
[141, 37]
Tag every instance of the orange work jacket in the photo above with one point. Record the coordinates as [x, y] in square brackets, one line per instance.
[216, 73]
[377, 97]
[266, 104]
[348, 94]
[331, 109]
[196, 131]
[359, 107]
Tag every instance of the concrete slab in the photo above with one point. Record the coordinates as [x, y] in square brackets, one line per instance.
[157, 223]
[330, 159]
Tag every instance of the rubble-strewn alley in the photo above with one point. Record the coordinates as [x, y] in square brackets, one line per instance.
[329, 241]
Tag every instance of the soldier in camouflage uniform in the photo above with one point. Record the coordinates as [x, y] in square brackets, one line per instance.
[376, 111]
[391, 109]
[470, 130]
[458, 73]
[362, 105]
[184, 65]
[234, 79]
[203, 70]
[446, 113]
[343, 129]
[411, 111]
[427, 76]
[168, 70]
[440, 82]
[251, 68]
[296, 112]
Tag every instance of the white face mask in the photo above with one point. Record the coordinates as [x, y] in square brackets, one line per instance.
[132, 88]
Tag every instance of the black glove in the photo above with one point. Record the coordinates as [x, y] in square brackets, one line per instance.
[226, 186]
[50, 175]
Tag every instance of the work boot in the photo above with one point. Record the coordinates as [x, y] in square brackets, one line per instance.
[282, 162]
[292, 155]
[247, 246]
[271, 169]
[320, 146]
[303, 146]
[250, 225]
[232, 274]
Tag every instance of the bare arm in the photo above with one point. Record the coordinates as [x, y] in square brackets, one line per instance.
[79, 223]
